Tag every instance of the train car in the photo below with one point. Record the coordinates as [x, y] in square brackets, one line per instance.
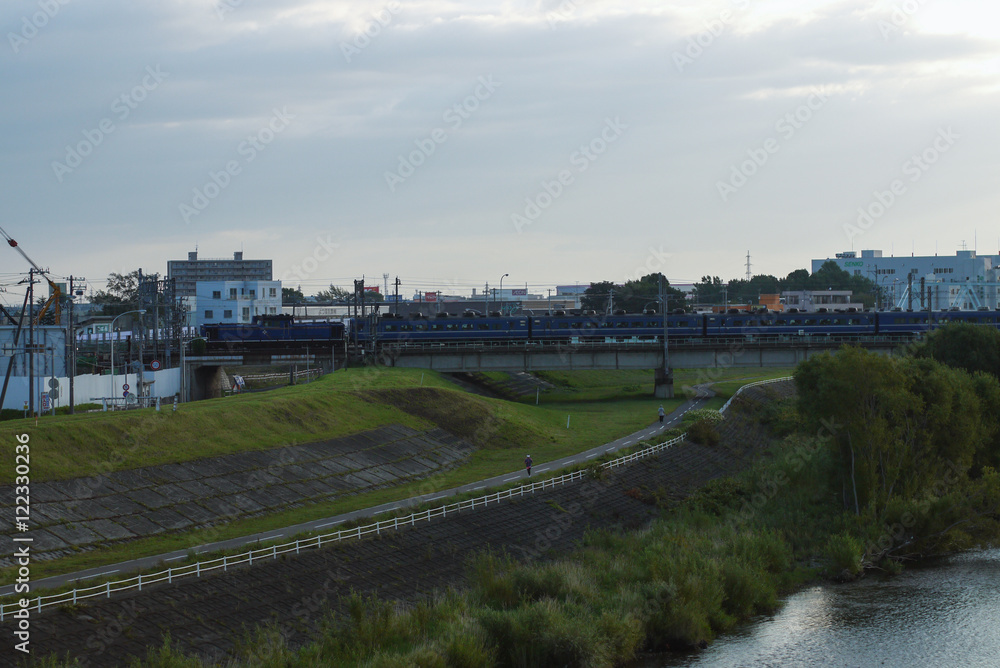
[786, 323]
[620, 327]
[275, 331]
[449, 328]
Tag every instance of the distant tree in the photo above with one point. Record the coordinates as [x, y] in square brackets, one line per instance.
[333, 294]
[710, 290]
[292, 296]
[742, 291]
[121, 293]
[595, 298]
[633, 296]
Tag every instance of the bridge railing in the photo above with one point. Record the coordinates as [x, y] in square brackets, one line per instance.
[225, 562]
[681, 343]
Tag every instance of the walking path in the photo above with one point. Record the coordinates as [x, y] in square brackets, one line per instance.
[144, 563]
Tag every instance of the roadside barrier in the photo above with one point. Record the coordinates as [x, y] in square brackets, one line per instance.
[226, 562]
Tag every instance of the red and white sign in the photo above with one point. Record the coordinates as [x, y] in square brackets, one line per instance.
[371, 288]
[519, 292]
[430, 296]
[155, 365]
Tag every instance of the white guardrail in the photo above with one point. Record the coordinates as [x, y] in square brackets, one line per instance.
[225, 562]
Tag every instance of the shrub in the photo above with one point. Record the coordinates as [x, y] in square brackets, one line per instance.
[844, 552]
[703, 432]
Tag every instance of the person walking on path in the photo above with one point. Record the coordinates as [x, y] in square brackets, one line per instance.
[527, 464]
[662, 413]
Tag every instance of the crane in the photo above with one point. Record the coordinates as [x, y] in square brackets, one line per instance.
[55, 298]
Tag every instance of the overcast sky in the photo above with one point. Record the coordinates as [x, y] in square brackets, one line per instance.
[450, 143]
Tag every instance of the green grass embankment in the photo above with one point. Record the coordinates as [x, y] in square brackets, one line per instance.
[723, 556]
[339, 404]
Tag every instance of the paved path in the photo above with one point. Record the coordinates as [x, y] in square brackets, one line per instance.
[146, 563]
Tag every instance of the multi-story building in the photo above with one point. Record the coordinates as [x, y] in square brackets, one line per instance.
[234, 301]
[966, 281]
[188, 273]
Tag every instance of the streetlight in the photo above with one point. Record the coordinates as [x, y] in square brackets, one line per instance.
[140, 312]
[501, 292]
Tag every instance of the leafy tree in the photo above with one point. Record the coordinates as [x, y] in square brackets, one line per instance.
[120, 295]
[333, 294]
[964, 345]
[292, 296]
[595, 298]
[632, 297]
[742, 291]
[711, 290]
[906, 433]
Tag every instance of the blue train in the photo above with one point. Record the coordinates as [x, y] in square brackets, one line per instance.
[272, 332]
[282, 331]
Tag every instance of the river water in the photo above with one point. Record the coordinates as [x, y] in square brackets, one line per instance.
[945, 615]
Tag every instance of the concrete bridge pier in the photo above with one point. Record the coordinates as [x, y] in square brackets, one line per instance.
[663, 385]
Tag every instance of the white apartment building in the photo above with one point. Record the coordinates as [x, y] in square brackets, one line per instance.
[234, 301]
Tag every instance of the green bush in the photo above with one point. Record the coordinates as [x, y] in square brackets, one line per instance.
[703, 432]
[844, 553]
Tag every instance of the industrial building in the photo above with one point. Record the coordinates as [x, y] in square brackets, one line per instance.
[966, 281]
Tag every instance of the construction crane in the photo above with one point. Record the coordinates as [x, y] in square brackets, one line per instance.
[55, 298]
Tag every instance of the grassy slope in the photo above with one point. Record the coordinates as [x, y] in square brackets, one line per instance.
[336, 405]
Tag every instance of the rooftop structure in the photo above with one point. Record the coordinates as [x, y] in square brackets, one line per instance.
[188, 272]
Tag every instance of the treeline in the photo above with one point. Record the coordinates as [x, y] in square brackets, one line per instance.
[644, 293]
[712, 290]
[914, 444]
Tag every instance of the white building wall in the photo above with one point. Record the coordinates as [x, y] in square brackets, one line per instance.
[235, 301]
[91, 388]
[965, 280]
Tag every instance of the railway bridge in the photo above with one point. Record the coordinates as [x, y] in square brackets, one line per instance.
[201, 373]
[700, 353]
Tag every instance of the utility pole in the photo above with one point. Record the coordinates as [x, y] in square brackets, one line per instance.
[664, 382]
[748, 267]
[31, 342]
[396, 297]
[70, 348]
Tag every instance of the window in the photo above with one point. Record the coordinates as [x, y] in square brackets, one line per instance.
[273, 310]
[253, 294]
[209, 315]
[216, 294]
[246, 312]
[272, 292]
[227, 313]
[232, 293]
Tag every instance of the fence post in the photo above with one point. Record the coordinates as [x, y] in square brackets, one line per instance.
[109, 588]
[39, 604]
[140, 581]
[224, 567]
[197, 569]
[275, 551]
